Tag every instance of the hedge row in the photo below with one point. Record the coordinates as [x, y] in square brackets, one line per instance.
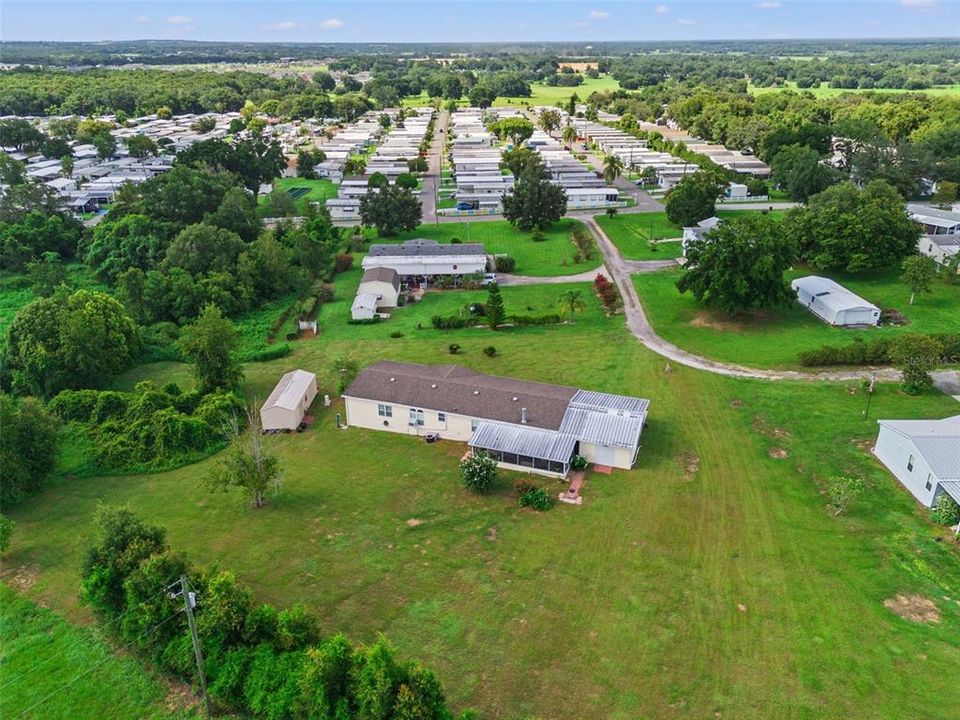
[259, 661]
[455, 322]
[872, 352]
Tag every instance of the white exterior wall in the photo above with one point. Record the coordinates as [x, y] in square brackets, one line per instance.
[428, 265]
[363, 413]
[614, 457]
[278, 418]
[386, 291]
[894, 451]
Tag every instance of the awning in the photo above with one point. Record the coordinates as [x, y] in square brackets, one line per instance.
[523, 440]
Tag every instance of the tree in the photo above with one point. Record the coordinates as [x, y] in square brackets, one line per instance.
[20, 134]
[66, 166]
[203, 248]
[534, 202]
[164, 112]
[569, 134]
[738, 265]
[612, 167]
[6, 532]
[482, 96]
[46, 274]
[247, 465]
[406, 180]
[918, 274]
[570, 302]
[572, 104]
[946, 194]
[237, 213]
[798, 170]
[355, 165]
[105, 144]
[141, 147]
[915, 356]
[517, 129]
[693, 199]
[209, 344]
[346, 369]
[495, 311]
[132, 241]
[377, 180]
[307, 161]
[549, 120]
[324, 80]
[843, 491]
[844, 228]
[29, 237]
[78, 340]
[28, 443]
[478, 471]
[390, 210]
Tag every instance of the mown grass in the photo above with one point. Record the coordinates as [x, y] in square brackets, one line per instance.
[712, 578]
[552, 256]
[541, 94]
[321, 190]
[774, 337]
[631, 232]
[43, 655]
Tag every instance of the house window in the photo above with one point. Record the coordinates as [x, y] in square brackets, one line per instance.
[416, 417]
[910, 464]
[442, 417]
[929, 484]
[385, 411]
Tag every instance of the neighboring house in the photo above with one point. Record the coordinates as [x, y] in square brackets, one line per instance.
[384, 283]
[427, 258]
[343, 208]
[942, 248]
[833, 303]
[288, 403]
[528, 426]
[736, 191]
[924, 455]
[695, 234]
[934, 220]
[364, 306]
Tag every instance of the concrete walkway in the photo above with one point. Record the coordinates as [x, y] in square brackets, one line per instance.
[508, 280]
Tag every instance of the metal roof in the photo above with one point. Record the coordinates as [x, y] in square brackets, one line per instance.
[524, 440]
[592, 400]
[365, 301]
[831, 294]
[951, 488]
[606, 429]
[420, 248]
[937, 441]
[289, 391]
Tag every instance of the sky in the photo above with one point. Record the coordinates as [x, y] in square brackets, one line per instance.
[475, 20]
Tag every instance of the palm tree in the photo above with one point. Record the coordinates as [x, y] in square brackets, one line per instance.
[571, 301]
[569, 134]
[612, 166]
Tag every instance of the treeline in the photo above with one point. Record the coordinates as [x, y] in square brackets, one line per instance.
[258, 659]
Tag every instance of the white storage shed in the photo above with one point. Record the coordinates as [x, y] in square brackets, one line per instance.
[833, 303]
[288, 403]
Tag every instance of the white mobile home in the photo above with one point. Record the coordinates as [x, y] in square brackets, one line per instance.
[288, 403]
[833, 303]
[924, 455]
[428, 258]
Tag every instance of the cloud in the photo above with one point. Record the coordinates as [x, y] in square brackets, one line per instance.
[332, 24]
[141, 19]
[599, 15]
[685, 21]
[768, 5]
[661, 9]
[179, 20]
[286, 25]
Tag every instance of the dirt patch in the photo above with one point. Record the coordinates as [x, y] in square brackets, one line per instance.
[736, 404]
[746, 320]
[690, 463]
[22, 577]
[913, 607]
[779, 432]
[180, 696]
[778, 453]
[414, 522]
[491, 535]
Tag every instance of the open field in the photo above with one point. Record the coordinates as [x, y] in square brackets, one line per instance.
[772, 338]
[553, 256]
[540, 94]
[631, 233]
[116, 687]
[713, 572]
[319, 190]
[826, 91]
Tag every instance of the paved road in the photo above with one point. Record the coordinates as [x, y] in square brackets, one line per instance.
[431, 179]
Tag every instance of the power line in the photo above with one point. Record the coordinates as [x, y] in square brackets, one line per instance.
[79, 642]
[110, 656]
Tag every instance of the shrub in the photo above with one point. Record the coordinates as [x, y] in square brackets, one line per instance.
[453, 322]
[945, 510]
[74, 404]
[271, 352]
[307, 307]
[504, 263]
[526, 320]
[538, 236]
[843, 491]
[454, 348]
[579, 463]
[323, 292]
[342, 262]
[396, 334]
[6, 532]
[490, 351]
[478, 471]
[536, 498]
[365, 321]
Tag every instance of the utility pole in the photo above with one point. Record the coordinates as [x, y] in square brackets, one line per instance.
[189, 603]
[870, 387]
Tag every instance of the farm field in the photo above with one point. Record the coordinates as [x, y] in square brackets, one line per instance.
[631, 232]
[304, 191]
[716, 551]
[115, 687]
[553, 256]
[826, 91]
[773, 338]
[541, 94]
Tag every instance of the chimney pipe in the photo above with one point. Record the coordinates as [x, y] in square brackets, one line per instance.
[523, 416]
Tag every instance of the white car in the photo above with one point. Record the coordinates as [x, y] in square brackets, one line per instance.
[489, 278]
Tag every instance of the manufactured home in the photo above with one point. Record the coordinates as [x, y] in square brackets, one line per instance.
[924, 455]
[427, 258]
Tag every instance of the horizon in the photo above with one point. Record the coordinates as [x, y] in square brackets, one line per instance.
[469, 21]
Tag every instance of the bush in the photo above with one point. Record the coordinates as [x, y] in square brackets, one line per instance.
[453, 322]
[271, 352]
[579, 463]
[454, 348]
[945, 510]
[536, 498]
[342, 262]
[504, 263]
[843, 491]
[490, 351]
[538, 236]
[6, 532]
[396, 334]
[527, 320]
[478, 471]
[365, 321]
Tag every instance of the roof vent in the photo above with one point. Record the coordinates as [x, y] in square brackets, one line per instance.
[523, 416]
[433, 385]
[515, 398]
[393, 379]
[476, 392]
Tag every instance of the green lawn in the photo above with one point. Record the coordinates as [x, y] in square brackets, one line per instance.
[116, 686]
[553, 256]
[320, 190]
[824, 90]
[631, 232]
[541, 94]
[773, 338]
[712, 571]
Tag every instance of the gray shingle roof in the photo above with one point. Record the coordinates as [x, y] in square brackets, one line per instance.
[425, 248]
[382, 274]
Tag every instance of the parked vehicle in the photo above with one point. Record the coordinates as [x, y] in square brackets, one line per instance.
[489, 278]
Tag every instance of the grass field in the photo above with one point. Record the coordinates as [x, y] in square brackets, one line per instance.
[631, 233]
[31, 637]
[304, 191]
[826, 91]
[713, 571]
[553, 256]
[773, 338]
[540, 94]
